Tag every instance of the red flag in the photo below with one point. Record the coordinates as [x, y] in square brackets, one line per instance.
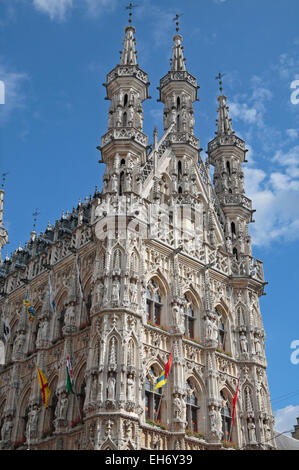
[235, 401]
[167, 366]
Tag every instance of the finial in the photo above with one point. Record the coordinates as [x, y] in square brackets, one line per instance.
[3, 179]
[219, 78]
[130, 7]
[176, 19]
[35, 214]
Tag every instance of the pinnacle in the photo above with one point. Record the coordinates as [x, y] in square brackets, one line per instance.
[128, 54]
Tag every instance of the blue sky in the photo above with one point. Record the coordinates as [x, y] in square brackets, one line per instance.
[54, 57]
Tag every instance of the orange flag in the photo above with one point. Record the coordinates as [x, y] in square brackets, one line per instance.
[235, 401]
[44, 387]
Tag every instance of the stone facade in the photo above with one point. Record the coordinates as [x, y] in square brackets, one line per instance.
[165, 262]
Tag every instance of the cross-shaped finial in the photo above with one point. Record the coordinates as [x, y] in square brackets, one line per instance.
[176, 19]
[219, 78]
[130, 7]
[35, 214]
[3, 179]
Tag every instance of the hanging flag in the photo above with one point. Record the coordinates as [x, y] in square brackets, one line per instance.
[44, 387]
[30, 309]
[69, 376]
[234, 401]
[161, 382]
[6, 329]
[80, 283]
[52, 301]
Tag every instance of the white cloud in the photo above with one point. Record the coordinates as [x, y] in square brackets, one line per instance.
[56, 9]
[292, 133]
[286, 418]
[275, 197]
[14, 94]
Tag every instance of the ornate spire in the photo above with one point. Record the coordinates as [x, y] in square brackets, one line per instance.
[223, 121]
[128, 54]
[177, 61]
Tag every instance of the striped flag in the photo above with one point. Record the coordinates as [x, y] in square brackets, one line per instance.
[69, 376]
[44, 387]
[161, 382]
[52, 301]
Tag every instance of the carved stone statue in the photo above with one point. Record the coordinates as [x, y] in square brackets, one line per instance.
[257, 344]
[130, 387]
[243, 343]
[63, 407]
[177, 407]
[6, 430]
[19, 345]
[31, 430]
[115, 291]
[133, 293]
[251, 432]
[111, 388]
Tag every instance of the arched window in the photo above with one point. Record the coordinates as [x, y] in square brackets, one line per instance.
[125, 119]
[228, 167]
[61, 322]
[121, 183]
[226, 418]
[235, 253]
[153, 303]
[233, 228]
[53, 407]
[192, 408]
[189, 318]
[180, 190]
[126, 100]
[179, 167]
[123, 162]
[178, 103]
[178, 123]
[152, 398]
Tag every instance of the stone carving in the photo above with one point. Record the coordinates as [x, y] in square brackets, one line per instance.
[115, 291]
[177, 407]
[130, 388]
[243, 343]
[111, 388]
[6, 430]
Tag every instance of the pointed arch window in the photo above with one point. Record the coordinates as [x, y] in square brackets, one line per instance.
[226, 417]
[121, 183]
[233, 228]
[125, 119]
[228, 167]
[235, 253]
[125, 100]
[153, 303]
[178, 103]
[178, 123]
[192, 408]
[82, 396]
[152, 398]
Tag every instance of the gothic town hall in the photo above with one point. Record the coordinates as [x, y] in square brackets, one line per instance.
[156, 265]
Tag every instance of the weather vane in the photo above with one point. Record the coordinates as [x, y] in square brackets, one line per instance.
[130, 7]
[219, 78]
[35, 214]
[176, 19]
[3, 179]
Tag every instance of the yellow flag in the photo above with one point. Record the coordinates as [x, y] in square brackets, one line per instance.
[44, 387]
